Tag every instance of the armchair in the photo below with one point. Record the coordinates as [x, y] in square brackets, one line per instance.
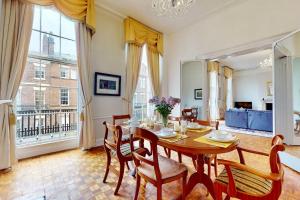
[244, 182]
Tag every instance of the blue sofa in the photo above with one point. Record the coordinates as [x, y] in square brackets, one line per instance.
[249, 119]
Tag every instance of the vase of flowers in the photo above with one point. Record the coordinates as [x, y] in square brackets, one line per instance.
[164, 106]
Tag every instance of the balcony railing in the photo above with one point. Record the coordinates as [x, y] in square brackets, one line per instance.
[40, 125]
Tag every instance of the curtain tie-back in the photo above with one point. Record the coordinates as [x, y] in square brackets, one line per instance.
[12, 115]
[12, 119]
[83, 107]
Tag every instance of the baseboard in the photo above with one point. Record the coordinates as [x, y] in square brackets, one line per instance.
[46, 148]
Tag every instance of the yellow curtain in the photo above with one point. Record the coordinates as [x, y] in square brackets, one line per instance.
[139, 34]
[213, 66]
[153, 60]
[134, 55]
[228, 72]
[81, 10]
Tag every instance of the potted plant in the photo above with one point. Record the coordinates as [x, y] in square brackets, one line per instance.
[164, 106]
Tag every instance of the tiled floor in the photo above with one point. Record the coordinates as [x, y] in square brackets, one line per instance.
[78, 174]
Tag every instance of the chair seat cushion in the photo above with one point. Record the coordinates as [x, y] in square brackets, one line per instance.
[168, 168]
[246, 182]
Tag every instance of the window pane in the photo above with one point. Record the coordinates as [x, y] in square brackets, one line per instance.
[67, 28]
[64, 71]
[50, 21]
[47, 97]
[68, 49]
[34, 46]
[50, 46]
[36, 18]
[64, 96]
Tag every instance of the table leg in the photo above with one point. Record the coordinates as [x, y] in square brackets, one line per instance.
[200, 177]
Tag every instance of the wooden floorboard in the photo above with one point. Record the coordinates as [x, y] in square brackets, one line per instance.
[77, 174]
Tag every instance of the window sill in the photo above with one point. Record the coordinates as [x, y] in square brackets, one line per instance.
[27, 151]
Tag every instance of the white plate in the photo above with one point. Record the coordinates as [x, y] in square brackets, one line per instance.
[229, 138]
[195, 127]
[166, 134]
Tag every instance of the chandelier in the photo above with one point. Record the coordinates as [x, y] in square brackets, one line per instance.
[267, 63]
[171, 7]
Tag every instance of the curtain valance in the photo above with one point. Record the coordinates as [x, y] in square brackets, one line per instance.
[213, 66]
[228, 72]
[82, 10]
[139, 34]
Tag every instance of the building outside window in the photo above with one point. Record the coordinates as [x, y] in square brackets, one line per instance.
[141, 107]
[50, 76]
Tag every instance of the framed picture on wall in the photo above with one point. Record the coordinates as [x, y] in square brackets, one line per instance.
[107, 84]
[198, 94]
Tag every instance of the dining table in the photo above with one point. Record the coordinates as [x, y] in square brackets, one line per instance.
[188, 144]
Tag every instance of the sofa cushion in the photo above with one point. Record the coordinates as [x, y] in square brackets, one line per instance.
[236, 118]
[260, 120]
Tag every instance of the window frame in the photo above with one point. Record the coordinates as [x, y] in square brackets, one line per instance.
[43, 99]
[60, 96]
[65, 70]
[39, 69]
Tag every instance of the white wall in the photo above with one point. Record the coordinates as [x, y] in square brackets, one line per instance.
[108, 56]
[251, 86]
[239, 24]
[191, 79]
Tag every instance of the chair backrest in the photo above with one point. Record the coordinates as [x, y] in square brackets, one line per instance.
[120, 117]
[117, 136]
[173, 118]
[189, 113]
[277, 145]
[208, 123]
[152, 139]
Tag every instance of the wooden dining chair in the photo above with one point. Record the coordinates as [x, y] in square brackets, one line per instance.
[189, 114]
[119, 119]
[155, 168]
[121, 151]
[244, 182]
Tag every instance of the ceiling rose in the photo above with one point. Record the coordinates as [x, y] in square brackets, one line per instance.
[171, 7]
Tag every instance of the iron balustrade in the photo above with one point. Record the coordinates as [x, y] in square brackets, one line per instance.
[40, 122]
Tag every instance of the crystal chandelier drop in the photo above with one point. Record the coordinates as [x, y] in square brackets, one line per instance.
[171, 7]
[267, 63]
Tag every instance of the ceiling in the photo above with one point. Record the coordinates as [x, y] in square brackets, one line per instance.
[247, 61]
[142, 11]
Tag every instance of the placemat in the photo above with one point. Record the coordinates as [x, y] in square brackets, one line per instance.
[205, 140]
[202, 130]
[175, 139]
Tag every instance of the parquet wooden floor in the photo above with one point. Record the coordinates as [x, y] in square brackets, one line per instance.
[77, 174]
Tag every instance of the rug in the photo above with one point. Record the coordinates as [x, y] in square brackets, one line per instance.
[290, 161]
[223, 127]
